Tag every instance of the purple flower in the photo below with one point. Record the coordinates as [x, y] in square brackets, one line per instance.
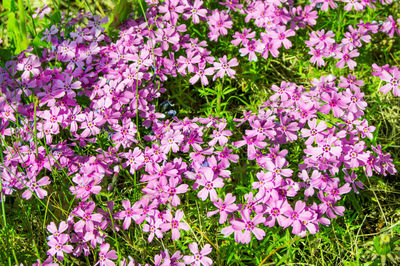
[106, 256]
[35, 186]
[30, 65]
[249, 226]
[224, 67]
[394, 82]
[198, 258]
[128, 214]
[209, 184]
[225, 207]
[174, 224]
[345, 58]
[58, 246]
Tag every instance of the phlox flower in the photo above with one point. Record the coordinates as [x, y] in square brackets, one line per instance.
[314, 133]
[224, 67]
[58, 246]
[171, 141]
[35, 186]
[275, 210]
[30, 65]
[281, 36]
[195, 11]
[335, 102]
[129, 213]
[90, 123]
[225, 207]
[251, 48]
[220, 22]
[56, 233]
[249, 226]
[345, 57]
[209, 184]
[105, 256]
[199, 257]
[393, 80]
[317, 56]
[296, 217]
[201, 72]
[174, 224]
[153, 227]
[164, 259]
[352, 179]
[353, 4]
[243, 38]
[220, 135]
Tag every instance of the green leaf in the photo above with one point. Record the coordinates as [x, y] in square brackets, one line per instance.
[10, 5]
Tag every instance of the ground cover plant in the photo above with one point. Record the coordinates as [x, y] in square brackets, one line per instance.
[182, 132]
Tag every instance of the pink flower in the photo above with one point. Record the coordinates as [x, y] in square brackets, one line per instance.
[198, 258]
[153, 227]
[209, 183]
[128, 214]
[296, 217]
[219, 22]
[345, 58]
[249, 226]
[90, 123]
[58, 246]
[174, 224]
[220, 135]
[106, 256]
[195, 11]
[225, 207]
[224, 67]
[314, 133]
[35, 186]
[243, 37]
[30, 65]
[394, 82]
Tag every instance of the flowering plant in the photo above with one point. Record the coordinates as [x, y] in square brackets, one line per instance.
[85, 136]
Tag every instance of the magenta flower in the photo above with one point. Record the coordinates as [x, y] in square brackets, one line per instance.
[335, 102]
[345, 57]
[201, 73]
[243, 37]
[153, 227]
[90, 123]
[281, 36]
[174, 224]
[220, 135]
[352, 179]
[225, 207]
[106, 256]
[224, 67]
[195, 12]
[219, 22]
[394, 82]
[198, 258]
[276, 209]
[296, 217]
[314, 133]
[35, 186]
[58, 246]
[209, 183]
[171, 141]
[56, 233]
[128, 214]
[249, 226]
[317, 56]
[276, 167]
[30, 65]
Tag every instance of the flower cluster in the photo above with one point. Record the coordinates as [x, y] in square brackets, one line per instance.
[84, 113]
